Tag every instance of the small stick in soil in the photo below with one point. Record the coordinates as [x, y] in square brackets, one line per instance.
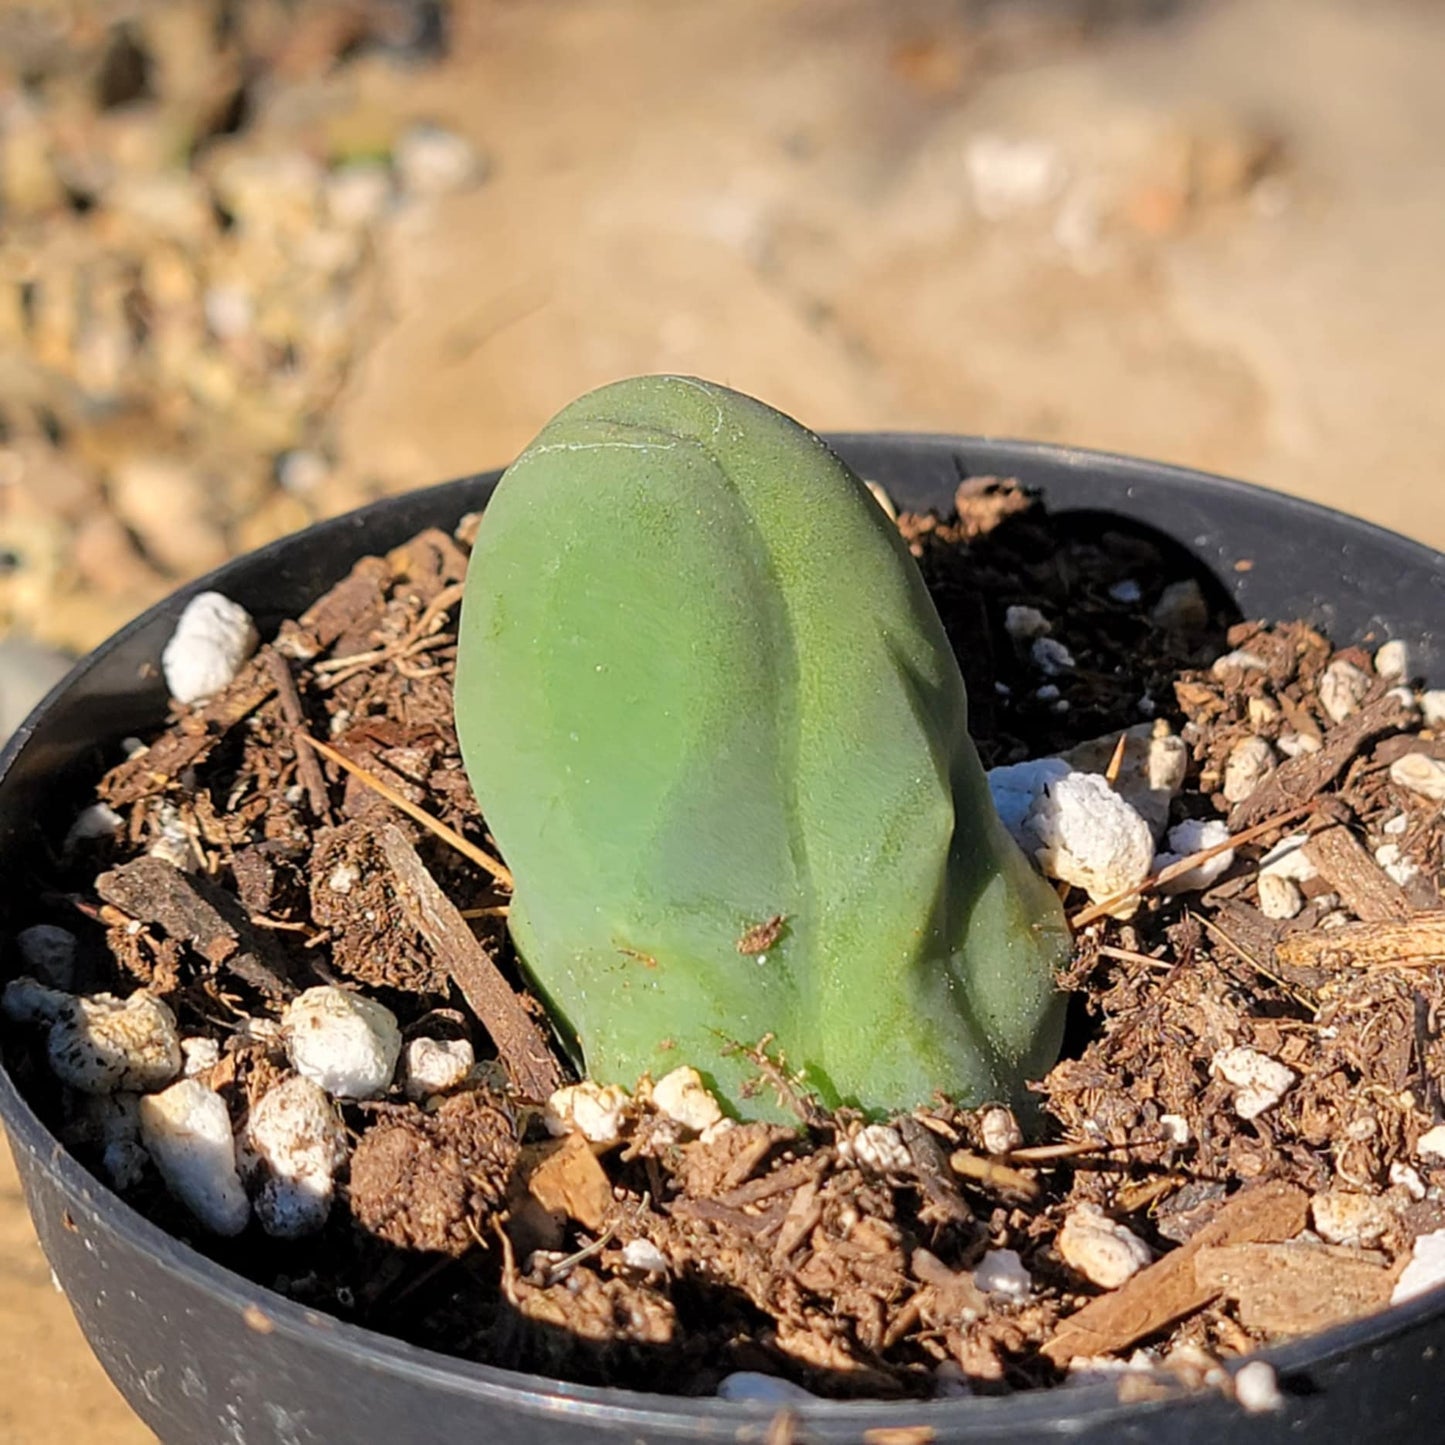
[993, 1175]
[308, 770]
[521, 1045]
[448, 836]
[1096, 911]
[1414, 944]
[1364, 887]
[1116, 763]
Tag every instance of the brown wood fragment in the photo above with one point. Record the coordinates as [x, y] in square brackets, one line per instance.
[781, 1181]
[1168, 1290]
[1299, 779]
[198, 912]
[354, 605]
[1420, 940]
[521, 1045]
[993, 1175]
[190, 741]
[943, 1204]
[1293, 1289]
[308, 769]
[567, 1179]
[1364, 887]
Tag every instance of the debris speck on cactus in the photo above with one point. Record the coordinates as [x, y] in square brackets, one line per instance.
[714, 724]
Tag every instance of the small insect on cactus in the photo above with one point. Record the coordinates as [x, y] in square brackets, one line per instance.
[716, 729]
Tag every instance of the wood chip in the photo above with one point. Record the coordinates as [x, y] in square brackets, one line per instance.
[202, 914]
[565, 1178]
[1168, 1290]
[1293, 1289]
[1419, 941]
[308, 768]
[943, 1204]
[521, 1045]
[1364, 887]
[1299, 779]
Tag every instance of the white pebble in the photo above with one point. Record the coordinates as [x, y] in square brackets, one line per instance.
[1287, 859]
[431, 161]
[683, 1097]
[1166, 762]
[1401, 869]
[299, 1142]
[760, 1389]
[1250, 762]
[1000, 1130]
[1051, 657]
[1193, 836]
[1239, 660]
[1089, 836]
[1175, 1128]
[200, 1055]
[1293, 745]
[1256, 1388]
[1425, 1270]
[1432, 707]
[1343, 687]
[358, 195]
[1392, 661]
[1126, 591]
[212, 640]
[1262, 712]
[880, 1147]
[644, 1255]
[1400, 823]
[1103, 1251]
[1408, 1178]
[1431, 1144]
[1341, 1217]
[98, 820]
[1016, 788]
[1420, 773]
[27, 1001]
[186, 1130]
[1026, 623]
[48, 953]
[1261, 1081]
[1279, 897]
[101, 1043]
[596, 1111]
[1002, 1272]
[343, 878]
[435, 1065]
[343, 1041]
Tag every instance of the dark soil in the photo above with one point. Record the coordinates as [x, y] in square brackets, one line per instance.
[803, 1252]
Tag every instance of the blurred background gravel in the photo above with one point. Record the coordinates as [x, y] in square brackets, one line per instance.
[263, 260]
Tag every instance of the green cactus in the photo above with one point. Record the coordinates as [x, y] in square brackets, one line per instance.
[716, 729]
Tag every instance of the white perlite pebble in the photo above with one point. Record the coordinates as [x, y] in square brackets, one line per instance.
[27, 1001]
[760, 1389]
[1425, 1270]
[1000, 1130]
[1194, 835]
[431, 161]
[1419, 773]
[1279, 897]
[1340, 1217]
[596, 1111]
[683, 1098]
[1089, 836]
[1432, 707]
[299, 1143]
[1408, 1178]
[200, 1055]
[1002, 1272]
[99, 820]
[1392, 661]
[1175, 1128]
[1103, 1251]
[1250, 762]
[1026, 623]
[186, 1130]
[1431, 1144]
[213, 638]
[880, 1147]
[644, 1255]
[1292, 745]
[1256, 1388]
[1051, 657]
[1238, 661]
[1261, 1081]
[1287, 859]
[1016, 788]
[1343, 687]
[343, 1041]
[1401, 869]
[101, 1043]
[48, 953]
[435, 1065]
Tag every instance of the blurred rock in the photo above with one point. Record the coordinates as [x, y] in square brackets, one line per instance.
[27, 672]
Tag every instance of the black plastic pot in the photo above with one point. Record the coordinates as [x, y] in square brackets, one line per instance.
[206, 1356]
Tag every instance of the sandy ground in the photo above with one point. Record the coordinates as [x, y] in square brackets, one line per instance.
[1214, 240]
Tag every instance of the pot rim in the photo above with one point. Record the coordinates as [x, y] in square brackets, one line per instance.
[543, 1394]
